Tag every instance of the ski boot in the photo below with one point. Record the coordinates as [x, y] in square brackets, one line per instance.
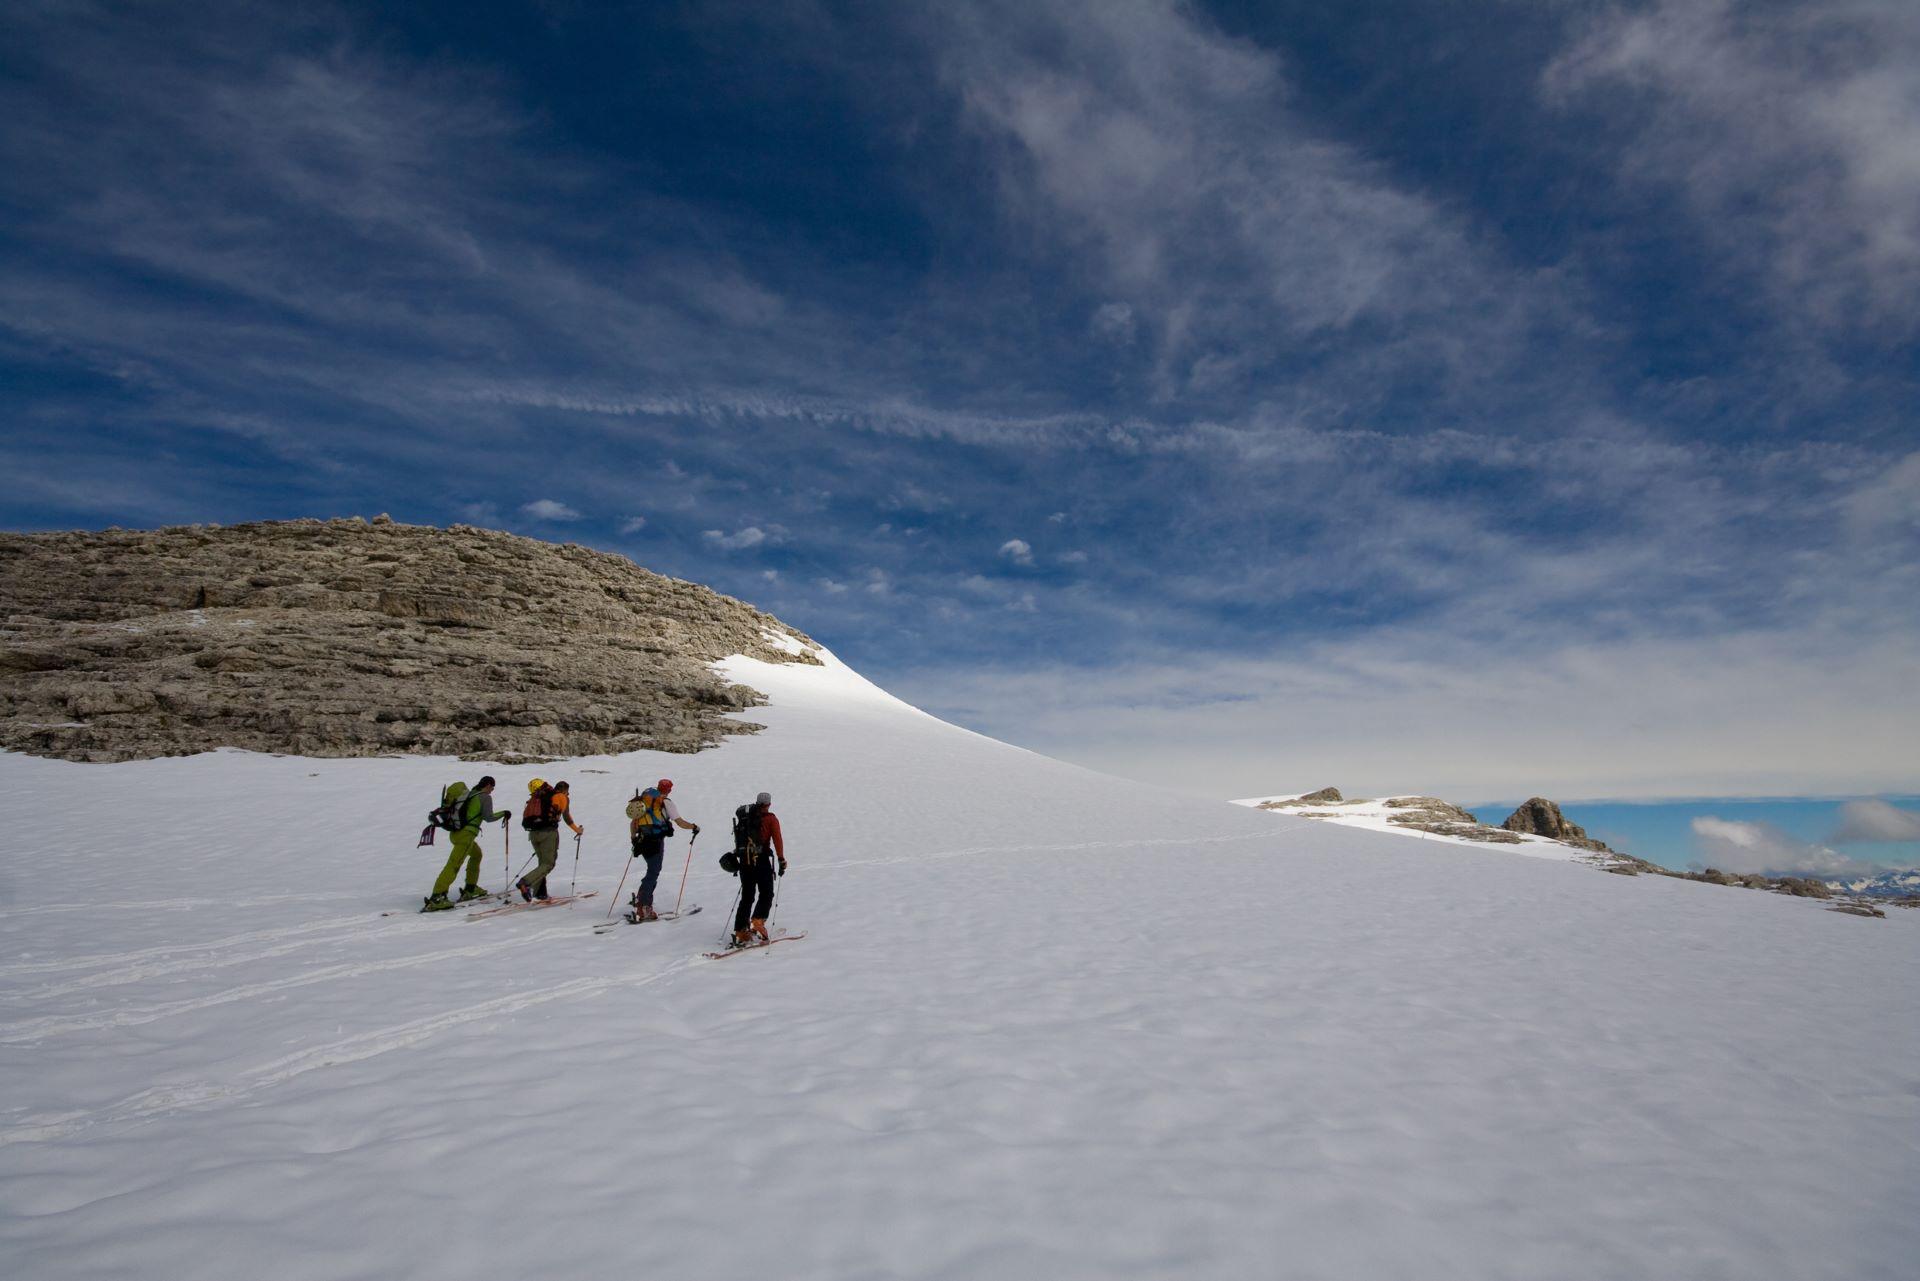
[760, 928]
[436, 903]
[468, 893]
[741, 938]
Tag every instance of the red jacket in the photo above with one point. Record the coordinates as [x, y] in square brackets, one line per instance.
[770, 834]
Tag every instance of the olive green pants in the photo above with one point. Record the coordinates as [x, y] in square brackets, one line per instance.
[466, 847]
[546, 848]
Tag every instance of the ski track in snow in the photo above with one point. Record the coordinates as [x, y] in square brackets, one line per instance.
[126, 968]
[1155, 1039]
[28, 1031]
[149, 1104]
[130, 966]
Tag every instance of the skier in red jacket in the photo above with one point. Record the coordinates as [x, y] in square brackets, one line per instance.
[757, 843]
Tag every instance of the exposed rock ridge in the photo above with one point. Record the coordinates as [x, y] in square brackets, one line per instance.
[1421, 813]
[1539, 816]
[356, 638]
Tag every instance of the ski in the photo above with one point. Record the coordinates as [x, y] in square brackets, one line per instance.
[754, 947]
[557, 901]
[626, 918]
[458, 906]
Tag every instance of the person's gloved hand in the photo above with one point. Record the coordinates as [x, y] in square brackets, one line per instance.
[696, 829]
[783, 867]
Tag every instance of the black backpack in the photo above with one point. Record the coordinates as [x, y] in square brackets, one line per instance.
[452, 814]
[746, 829]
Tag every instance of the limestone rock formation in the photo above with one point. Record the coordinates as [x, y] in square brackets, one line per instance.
[1431, 814]
[350, 638]
[1541, 817]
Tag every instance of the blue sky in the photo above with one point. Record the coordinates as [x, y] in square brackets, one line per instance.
[1488, 398]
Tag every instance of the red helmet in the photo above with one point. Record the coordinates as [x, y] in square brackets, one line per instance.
[665, 785]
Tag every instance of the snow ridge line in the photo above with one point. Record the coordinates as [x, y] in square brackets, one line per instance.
[1145, 842]
[164, 1099]
[38, 1029]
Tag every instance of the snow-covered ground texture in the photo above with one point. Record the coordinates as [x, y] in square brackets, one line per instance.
[1375, 814]
[1044, 1024]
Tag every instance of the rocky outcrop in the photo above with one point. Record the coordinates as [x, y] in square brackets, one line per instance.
[1541, 817]
[1431, 814]
[356, 638]
[1794, 886]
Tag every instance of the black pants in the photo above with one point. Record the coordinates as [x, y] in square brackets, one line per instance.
[756, 890]
[651, 846]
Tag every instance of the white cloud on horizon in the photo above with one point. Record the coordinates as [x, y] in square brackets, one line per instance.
[549, 509]
[751, 536]
[1875, 821]
[1732, 845]
[633, 524]
[1017, 550]
[1399, 711]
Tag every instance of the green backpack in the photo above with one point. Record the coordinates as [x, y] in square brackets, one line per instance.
[452, 814]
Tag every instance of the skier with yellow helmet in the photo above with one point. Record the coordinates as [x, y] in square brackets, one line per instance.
[547, 807]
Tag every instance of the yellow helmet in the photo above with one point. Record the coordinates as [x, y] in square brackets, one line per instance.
[536, 785]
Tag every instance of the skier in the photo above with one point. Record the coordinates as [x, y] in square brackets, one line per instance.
[547, 808]
[756, 843]
[653, 817]
[476, 808]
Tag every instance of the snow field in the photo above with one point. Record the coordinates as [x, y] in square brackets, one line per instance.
[1043, 1024]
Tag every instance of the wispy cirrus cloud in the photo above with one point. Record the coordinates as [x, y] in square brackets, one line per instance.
[1306, 417]
[1792, 132]
[1170, 156]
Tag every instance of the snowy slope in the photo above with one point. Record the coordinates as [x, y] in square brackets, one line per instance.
[1043, 1025]
[1375, 815]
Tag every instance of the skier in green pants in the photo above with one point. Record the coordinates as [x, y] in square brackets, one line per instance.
[477, 809]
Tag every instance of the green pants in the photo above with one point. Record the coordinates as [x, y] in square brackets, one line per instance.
[546, 848]
[466, 846]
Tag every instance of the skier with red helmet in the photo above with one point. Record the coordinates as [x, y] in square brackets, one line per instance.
[652, 817]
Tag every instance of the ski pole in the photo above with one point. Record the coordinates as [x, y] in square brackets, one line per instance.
[733, 919]
[506, 857]
[574, 884]
[616, 889]
[683, 873]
